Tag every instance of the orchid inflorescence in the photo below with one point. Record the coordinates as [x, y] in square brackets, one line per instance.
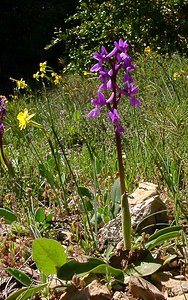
[109, 92]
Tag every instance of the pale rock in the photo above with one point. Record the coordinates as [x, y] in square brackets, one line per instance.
[120, 296]
[179, 297]
[97, 291]
[147, 210]
[143, 289]
[174, 285]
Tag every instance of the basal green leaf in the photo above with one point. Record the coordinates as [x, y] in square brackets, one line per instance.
[107, 269]
[20, 276]
[162, 235]
[40, 215]
[83, 191]
[26, 293]
[49, 255]
[49, 217]
[72, 267]
[167, 236]
[8, 215]
[163, 231]
[143, 268]
[116, 197]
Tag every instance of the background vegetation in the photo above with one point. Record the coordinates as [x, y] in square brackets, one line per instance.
[81, 27]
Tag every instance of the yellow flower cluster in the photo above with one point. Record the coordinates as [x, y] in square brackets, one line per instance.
[20, 84]
[36, 76]
[147, 50]
[176, 75]
[181, 73]
[44, 71]
[43, 67]
[57, 78]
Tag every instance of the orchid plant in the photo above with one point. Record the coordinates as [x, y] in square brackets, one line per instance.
[110, 66]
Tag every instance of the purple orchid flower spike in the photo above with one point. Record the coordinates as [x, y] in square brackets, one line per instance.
[112, 93]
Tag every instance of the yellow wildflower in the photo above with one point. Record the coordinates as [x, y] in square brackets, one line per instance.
[13, 97]
[21, 84]
[57, 79]
[176, 75]
[147, 49]
[24, 118]
[36, 75]
[43, 67]
[54, 74]
[85, 73]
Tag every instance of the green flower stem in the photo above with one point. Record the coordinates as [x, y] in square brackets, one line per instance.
[126, 217]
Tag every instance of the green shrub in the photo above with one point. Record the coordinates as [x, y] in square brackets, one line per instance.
[161, 24]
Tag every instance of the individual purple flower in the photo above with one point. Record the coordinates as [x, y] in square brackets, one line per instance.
[104, 77]
[96, 67]
[122, 46]
[129, 89]
[127, 78]
[101, 56]
[114, 117]
[94, 113]
[134, 102]
[100, 101]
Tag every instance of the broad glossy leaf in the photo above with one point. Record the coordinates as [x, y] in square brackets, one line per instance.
[143, 268]
[107, 269]
[49, 255]
[72, 267]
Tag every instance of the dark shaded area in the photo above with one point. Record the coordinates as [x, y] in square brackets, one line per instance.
[26, 27]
